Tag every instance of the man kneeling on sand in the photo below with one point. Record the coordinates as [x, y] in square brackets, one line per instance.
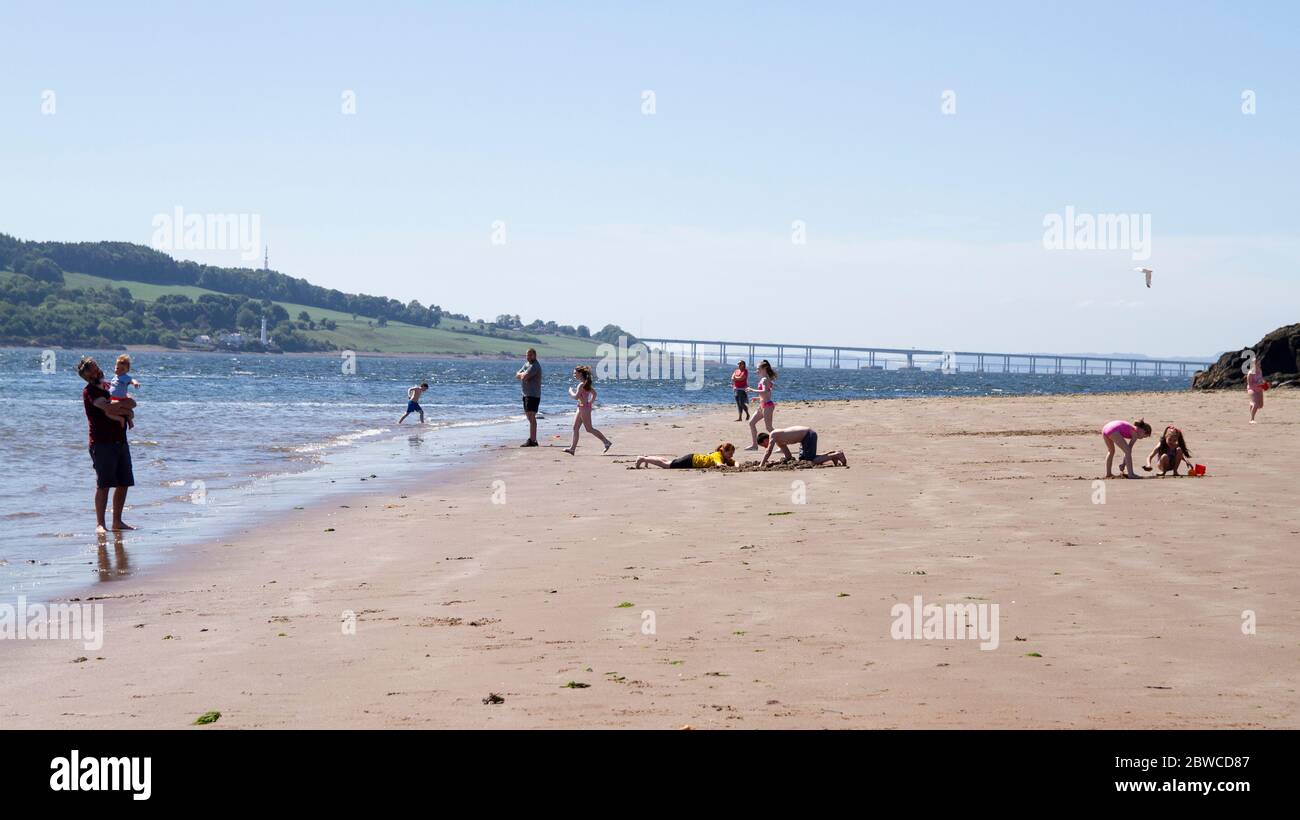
[806, 438]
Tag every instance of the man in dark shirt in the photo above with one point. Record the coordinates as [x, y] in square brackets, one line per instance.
[109, 452]
[530, 380]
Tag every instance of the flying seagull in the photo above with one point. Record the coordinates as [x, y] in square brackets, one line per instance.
[1147, 272]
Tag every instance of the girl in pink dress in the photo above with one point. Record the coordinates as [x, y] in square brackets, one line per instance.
[1122, 434]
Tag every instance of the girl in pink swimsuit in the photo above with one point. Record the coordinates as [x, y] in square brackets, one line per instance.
[766, 406]
[1123, 434]
[1255, 389]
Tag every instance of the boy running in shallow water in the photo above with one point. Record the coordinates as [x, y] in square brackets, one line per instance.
[413, 401]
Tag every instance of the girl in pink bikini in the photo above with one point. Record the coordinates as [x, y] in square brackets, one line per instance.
[766, 406]
[585, 395]
[1122, 434]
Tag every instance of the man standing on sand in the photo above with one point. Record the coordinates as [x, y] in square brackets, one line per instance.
[530, 381]
[109, 452]
[806, 438]
[413, 402]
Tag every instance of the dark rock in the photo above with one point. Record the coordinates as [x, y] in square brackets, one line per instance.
[1279, 361]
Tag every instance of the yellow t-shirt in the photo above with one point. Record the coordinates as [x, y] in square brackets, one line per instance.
[713, 459]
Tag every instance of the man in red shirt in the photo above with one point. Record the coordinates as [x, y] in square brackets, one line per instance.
[109, 452]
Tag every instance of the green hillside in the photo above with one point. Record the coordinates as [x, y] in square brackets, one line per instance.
[365, 335]
[115, 294]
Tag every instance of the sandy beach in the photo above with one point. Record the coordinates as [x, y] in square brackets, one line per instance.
[717, 600]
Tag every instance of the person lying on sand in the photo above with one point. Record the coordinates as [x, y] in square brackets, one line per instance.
[722, 454]
[1172, 451]
[806, 438]
[1122, 434]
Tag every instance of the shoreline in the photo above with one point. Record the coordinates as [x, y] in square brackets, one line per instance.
[161, 551]
[767, 612]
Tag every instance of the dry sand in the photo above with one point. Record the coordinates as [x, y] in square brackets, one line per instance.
[760, 620]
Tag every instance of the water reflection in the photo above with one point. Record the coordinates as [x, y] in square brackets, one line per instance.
[119, 565]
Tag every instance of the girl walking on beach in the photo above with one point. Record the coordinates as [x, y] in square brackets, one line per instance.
[766, 406]
[1172, 451]
[1122, 434]
[585, 395]
[1255, 387]
[722, 454]
[740, 386]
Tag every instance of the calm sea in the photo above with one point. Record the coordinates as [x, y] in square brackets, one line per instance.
[223, 441]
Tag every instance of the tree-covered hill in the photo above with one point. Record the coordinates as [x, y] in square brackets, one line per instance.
[118, 293]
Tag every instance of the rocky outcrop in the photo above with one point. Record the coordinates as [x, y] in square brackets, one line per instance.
[1279, 360]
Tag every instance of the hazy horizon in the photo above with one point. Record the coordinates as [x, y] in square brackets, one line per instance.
[836, 175]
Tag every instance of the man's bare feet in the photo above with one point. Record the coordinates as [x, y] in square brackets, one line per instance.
[569, 451]
[119, 526]
[100, 529]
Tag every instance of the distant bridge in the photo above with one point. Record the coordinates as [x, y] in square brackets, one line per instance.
[966, 361]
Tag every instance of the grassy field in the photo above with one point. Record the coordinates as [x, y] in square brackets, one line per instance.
[362, 335]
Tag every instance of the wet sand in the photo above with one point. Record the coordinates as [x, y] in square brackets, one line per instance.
[671, 597]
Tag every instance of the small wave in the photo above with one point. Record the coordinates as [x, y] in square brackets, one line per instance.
[338, 441]
[18, 515]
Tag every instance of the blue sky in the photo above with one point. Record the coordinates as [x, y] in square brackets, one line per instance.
[923, 229]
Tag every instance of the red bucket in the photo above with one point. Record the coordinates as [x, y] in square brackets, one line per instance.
[1199, 469]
